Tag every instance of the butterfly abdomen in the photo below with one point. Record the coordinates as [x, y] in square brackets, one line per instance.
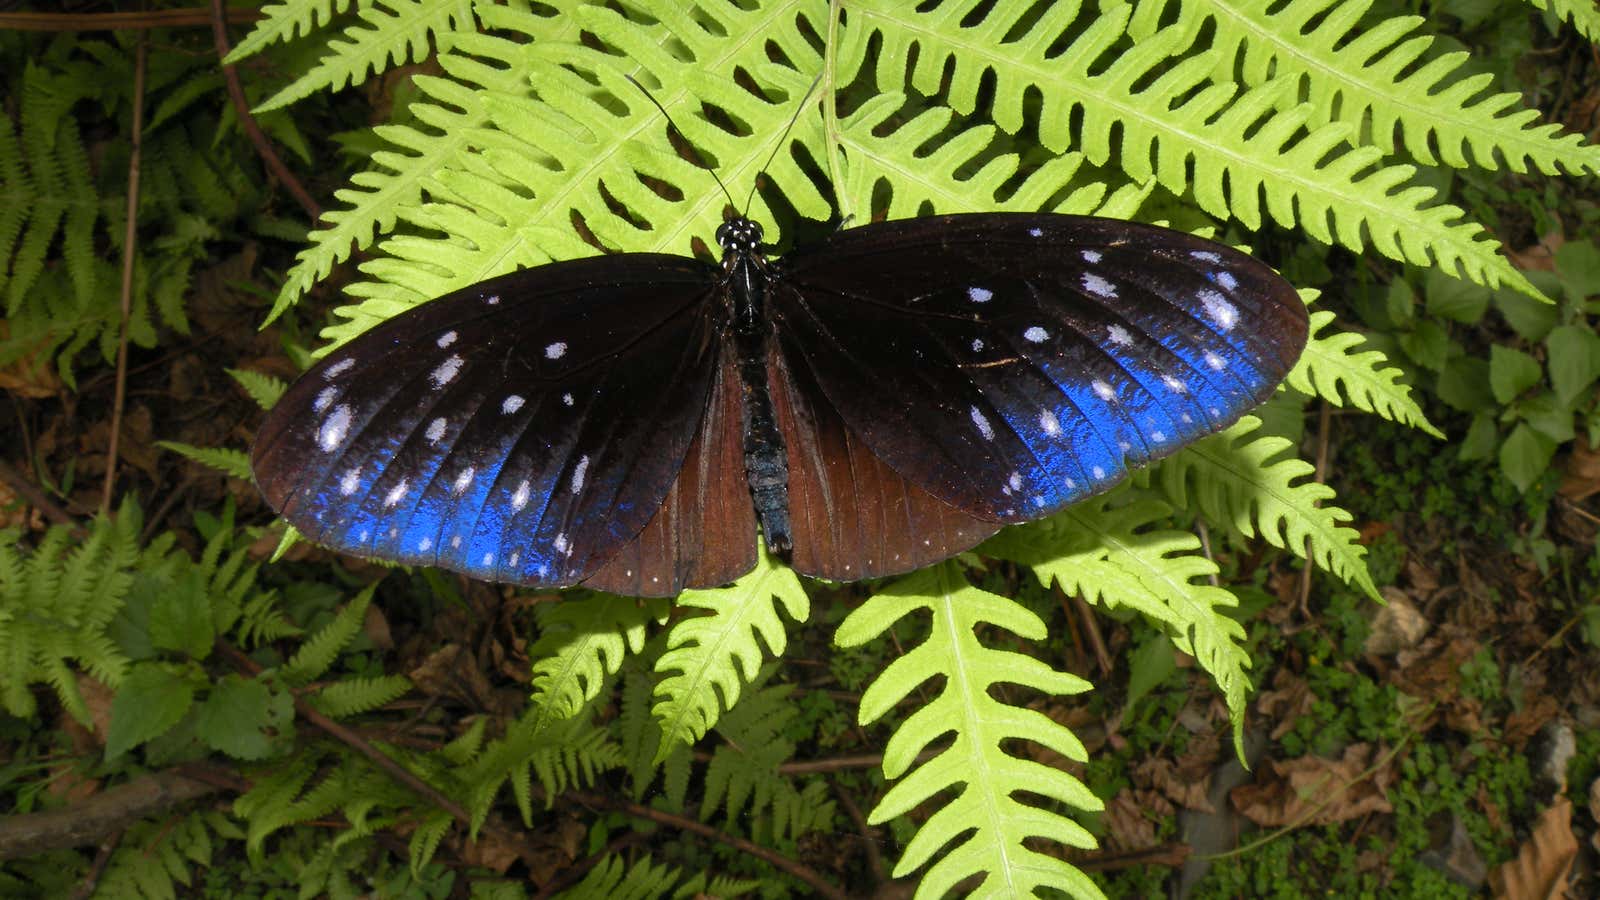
[765, 463]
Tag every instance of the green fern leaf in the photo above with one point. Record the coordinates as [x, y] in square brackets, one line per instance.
[397, 31]
[56, 607]
[285, 21]
[1367, 74]
[1331, 368]
[1229, 148]
[990, 826]
[711, 652]
[1234, 481]
[581, 642]
[884, 142]
[234, 463]
[613, 877]
[353, 696]
[1112, 551]
[1583, 15]
[263, 389]
[319, 651]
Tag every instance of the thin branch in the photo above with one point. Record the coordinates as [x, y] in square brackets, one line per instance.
[129, 249]
[34, 496]
[356, 742]
[819, 885]
[247, 121]
[118, 21]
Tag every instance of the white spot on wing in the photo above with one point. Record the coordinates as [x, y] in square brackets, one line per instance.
[1118, 335]
[1099, 473]
[488, 558]
[511, 404]
[556, 350]
[1174, 385]
[578, 473]
[566, 399]
[1215, 361]
[1098, 286]
[984, 428]
[1158, 436]
[977, 345]
[324, 397]
[561, 543]
[1015, 481]
[397, 492]
[446, 339]
[1091, 256]
[515, 555]
[436, 430]
[447, 372]
[338, 368]
[455, 542]
[424, 544]
[520, 498]
[334, 428]
[464, 480]
[1226, 279]
[979, 295]
[1206, 256]
[350, 481]
[1035, 232]
[492, 300]
[1036, 334]
[1103, 391]
[1221, 311]
[1049, 422]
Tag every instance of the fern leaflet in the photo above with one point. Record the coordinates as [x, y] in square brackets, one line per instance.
[976, 766]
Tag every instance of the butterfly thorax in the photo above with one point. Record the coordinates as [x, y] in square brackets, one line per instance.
[766, 466]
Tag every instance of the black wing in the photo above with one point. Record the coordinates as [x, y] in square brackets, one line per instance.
[1012, 364]
[521, 430]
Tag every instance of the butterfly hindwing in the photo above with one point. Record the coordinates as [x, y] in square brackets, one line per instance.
[521, 430]
[1014, 364]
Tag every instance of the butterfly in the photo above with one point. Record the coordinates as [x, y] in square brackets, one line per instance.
[882, 399]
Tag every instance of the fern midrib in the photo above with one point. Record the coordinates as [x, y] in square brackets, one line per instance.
[1386, 95]
[958, 632]
[1305, 188]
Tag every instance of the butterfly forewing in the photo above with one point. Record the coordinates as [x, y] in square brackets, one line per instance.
[1013, 364]
[521, 430]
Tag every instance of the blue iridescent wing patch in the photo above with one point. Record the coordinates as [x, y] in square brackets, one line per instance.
[521, 430]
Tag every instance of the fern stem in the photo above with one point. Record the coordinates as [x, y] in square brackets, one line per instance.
[247, 121]
[830, 110]
[119, 395]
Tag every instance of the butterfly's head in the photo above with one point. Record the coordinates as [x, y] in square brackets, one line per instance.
[739, 235]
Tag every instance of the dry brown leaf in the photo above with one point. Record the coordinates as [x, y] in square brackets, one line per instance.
[1315, 791]
[1130, 819]
[1285, 702]
[1540, 870]
[1183, 790]
[30, 375]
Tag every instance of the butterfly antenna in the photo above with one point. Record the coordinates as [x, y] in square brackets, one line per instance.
[781, 138]
[674, 126]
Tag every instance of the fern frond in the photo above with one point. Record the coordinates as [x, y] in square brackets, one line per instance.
[1583, 15]
[263, 389]
[393, 31]
[1367, 74]
[319, 651]
[234, 463]
[1232, 479]
[1112, 550]
[56, 606]
[885, 147]
[288, 20]
[710, 653]
[581, 642]
[1333, 369]
[353, 696]
[1229, 148]
[991, 826]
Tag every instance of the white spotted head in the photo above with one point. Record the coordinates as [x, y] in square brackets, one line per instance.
[739, 235]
